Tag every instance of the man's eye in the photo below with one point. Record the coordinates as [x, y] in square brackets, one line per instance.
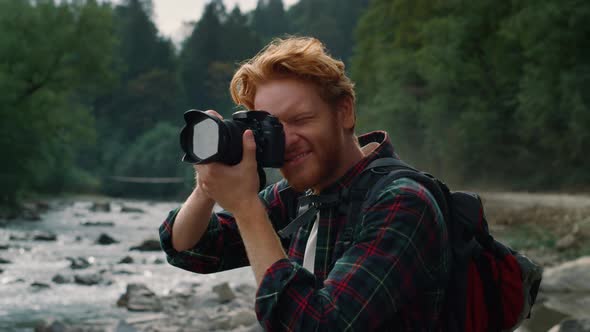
[302, 120]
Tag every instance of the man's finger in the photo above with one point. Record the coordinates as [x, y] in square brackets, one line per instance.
[249, 147]
[213, 113]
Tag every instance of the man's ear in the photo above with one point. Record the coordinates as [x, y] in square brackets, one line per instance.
[346, 112]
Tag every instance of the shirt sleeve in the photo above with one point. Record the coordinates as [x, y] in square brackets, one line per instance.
[397, 253]
[221, 247]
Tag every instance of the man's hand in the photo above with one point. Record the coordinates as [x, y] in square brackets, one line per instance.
[234, 188]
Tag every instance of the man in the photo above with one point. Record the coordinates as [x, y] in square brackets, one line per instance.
[390, 277]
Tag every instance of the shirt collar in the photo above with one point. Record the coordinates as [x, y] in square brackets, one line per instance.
[384, 149]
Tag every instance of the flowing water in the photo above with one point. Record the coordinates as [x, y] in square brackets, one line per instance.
[23, 305]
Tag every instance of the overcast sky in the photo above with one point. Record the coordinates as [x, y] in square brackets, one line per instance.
[170, 15]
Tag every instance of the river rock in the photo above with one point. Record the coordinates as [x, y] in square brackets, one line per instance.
[122, 272]
[148, 245]
[233, 320]
[19, 237]
[583, 228]
[30, 212]
[105, 239]
[224, 292]
[123, 326]
[45, 236]
[61, 279]
[130, 209]
[571, 276]
[52, 325]
[37, 286]
[572, 325]
[98, 223]
[4, 261]
[89, 279]
[566, 242]
[140, 298]
[126, 260]
[100, 207]
[78, 263]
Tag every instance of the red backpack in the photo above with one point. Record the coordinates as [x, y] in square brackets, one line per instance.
[491, 286]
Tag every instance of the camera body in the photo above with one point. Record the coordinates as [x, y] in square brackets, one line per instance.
[206, 138]
[268, 135]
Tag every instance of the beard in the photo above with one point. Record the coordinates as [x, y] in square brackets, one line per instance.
[317, 172]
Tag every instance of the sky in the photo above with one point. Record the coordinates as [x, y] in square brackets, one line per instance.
[170, 15]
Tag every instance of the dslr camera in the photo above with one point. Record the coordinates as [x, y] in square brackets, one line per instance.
[206, 139]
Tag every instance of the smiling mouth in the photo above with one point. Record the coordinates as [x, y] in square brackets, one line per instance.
[297, 157]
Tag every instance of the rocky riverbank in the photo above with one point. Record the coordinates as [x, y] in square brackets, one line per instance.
[88, 265]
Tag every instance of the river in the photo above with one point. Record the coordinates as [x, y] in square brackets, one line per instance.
[23, 306]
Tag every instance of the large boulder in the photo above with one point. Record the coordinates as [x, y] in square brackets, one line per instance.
[139, 297]
[573, 276]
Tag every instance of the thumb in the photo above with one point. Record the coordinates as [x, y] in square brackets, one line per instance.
[249, 147]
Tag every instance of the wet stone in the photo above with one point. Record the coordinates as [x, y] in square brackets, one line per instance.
[78, 263]
[101, 207]
[39, 286]
[61, 279]
[45, 237]
[139, 297]
[105, 239]
[572, 325]
[51, 325]
[89, 279]
[130, 209]
[126, 260]
[98, 224]
[224, 292]
[148, 245]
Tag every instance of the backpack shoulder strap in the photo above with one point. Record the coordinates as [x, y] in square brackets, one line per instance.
[378, 174]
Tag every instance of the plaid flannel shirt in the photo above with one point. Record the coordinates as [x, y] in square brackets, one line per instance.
[392, 276]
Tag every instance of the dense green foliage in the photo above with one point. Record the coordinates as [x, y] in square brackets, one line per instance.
[477, 92]
[481, 92]
[52, 58]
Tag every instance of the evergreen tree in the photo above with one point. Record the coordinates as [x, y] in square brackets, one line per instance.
[209, 56]
[331, 21]
[269, 19]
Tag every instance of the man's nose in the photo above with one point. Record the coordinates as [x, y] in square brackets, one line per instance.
[291, 137]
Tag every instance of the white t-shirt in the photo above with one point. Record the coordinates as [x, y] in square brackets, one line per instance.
[309, 256]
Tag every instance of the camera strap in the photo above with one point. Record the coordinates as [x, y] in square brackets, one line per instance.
[308, 207]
